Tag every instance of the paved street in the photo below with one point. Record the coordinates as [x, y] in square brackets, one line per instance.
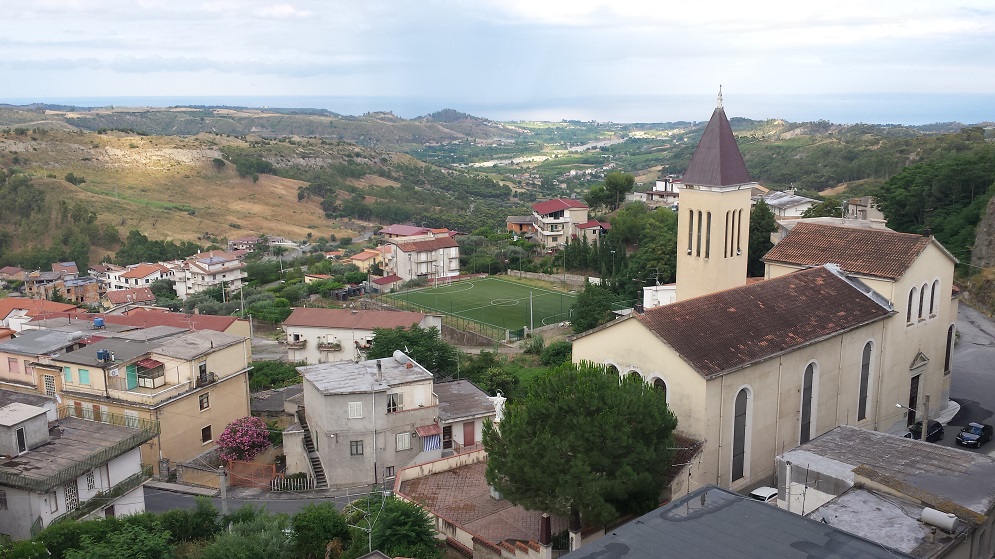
[973, 382]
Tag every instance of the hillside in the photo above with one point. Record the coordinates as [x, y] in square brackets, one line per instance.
[380, 130]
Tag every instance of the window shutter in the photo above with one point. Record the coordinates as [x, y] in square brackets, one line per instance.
[355, 410]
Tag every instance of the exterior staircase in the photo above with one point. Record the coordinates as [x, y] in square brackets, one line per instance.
[312, 454]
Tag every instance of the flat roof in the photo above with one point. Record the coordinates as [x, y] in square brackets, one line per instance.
[75, 441]
[30, 398]
[123, 350]
[947, 479]
[460, 399]
[195, 344]
[346, 377]
[714, 523]
[18, 412]
[37, 342]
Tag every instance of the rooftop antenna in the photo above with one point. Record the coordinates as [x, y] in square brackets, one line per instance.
[719, 104]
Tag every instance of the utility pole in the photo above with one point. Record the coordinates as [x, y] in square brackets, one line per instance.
[925, 416]
[224, 490]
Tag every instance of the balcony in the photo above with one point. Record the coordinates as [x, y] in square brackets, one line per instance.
[105, 498]
[298, 344]
[330, 346]
[205, 378]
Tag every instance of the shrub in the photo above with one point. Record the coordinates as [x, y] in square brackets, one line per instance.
[556, 353]
[243, 439]
[534, 345]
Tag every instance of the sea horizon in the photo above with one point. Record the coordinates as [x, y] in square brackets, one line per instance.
[868, 108]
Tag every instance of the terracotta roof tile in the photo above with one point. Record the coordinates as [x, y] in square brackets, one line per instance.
[136, 295]
[717, 160]
[556, 205]
[345, 318]
[143, 271]
[881, 253]
[32, 307]
[723, 331]
[426, 244]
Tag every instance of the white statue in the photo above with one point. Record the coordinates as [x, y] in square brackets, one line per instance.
[498, 402]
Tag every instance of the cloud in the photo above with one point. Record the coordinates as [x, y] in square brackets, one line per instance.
[282, 11]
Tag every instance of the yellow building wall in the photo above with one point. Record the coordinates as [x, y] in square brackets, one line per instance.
[722, 268]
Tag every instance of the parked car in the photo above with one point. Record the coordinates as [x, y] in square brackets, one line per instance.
[764, 494]
[933, 434]
[974, 434]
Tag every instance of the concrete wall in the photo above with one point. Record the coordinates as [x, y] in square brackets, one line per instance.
[35, 434]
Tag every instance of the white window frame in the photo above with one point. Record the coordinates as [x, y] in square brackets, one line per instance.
[355, 410]
[403, 441]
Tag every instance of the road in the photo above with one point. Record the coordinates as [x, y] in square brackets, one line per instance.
[157, 500]
[973, 382]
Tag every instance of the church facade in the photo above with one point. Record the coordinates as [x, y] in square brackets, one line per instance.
[848, 323]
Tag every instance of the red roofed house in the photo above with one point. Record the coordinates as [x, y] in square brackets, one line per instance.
[327, 335]
[849, 322]
[556, 220]
[139, 275]
[398, 230]
[387, 283]
[68, 269]
[428, 256]
[15, 311]
[12, 273]
[363, 260]
[135, 296]
[593, 230]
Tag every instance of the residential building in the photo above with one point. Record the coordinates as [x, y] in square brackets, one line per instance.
[424, 256]
[665, 193]
[786, 204]
[593, 230]
[69, 270]
[361, 422]
[140, 275]
[366, 259]
[140, 317]
[388, 283]
[864, 208]
[193, 383]
[521, 225]
[556, 220]
[755, 369]
[891, 490]
[397, 230]
[248, 243]
[463, 408]
[475, 521]
[82, 291]
[16, 311]
[713, 523]
[211, 269]
[136, 296]
[12, 273]
[318, 335]
[43, 285]
[76, 469]
[313, 278]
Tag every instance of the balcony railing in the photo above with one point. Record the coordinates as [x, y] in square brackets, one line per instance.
[207, 378]
[330, 346]
[144, 430]
[299, 344]
[104, 498]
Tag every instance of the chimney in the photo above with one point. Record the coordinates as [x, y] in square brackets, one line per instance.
[927, 232]
[545, 537]
[379, 370]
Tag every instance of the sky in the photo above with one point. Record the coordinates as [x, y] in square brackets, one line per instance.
[848, 61]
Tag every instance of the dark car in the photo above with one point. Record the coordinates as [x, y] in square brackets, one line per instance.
[974, 434]
[933, 434]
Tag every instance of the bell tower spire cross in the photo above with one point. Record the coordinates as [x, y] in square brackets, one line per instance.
[718, 104]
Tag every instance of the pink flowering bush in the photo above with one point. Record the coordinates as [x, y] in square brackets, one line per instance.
[243, 439]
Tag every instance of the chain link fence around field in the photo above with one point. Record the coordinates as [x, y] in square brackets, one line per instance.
[386, 302]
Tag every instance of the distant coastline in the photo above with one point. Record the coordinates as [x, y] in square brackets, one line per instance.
[907, 109]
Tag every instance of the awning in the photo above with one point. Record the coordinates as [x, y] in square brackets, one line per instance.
[149, 363]
[428, 430]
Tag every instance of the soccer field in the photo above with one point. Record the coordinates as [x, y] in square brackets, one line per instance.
[496, 302]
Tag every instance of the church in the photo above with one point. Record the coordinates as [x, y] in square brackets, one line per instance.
[848, 321]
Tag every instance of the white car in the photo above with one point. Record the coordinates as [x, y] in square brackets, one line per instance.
[764, 494]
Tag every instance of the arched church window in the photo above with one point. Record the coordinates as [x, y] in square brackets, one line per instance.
[739, 434]
[865, 377]
[808, 389]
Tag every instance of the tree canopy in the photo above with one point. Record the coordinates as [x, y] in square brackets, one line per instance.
[762, 224]
[583, 445]
[424, 345]
[611, 194]
[593, 308]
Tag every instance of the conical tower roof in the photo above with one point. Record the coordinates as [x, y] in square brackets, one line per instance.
[717, 160]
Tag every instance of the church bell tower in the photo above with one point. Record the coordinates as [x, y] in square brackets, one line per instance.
[713, 225]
